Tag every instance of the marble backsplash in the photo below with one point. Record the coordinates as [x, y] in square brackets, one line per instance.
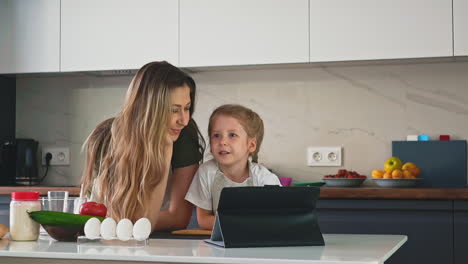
[362, 108]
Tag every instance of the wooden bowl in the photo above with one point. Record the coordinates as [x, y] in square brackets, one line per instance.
[64, 233]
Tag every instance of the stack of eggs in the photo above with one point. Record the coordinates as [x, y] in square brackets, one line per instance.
[124, 230]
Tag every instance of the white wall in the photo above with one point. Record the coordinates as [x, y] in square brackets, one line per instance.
[362, 108]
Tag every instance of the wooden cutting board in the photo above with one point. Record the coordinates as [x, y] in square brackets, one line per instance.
[192, 232]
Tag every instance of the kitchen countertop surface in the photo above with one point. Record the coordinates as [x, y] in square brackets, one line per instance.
[394, 193]
[338, 249]
[325, 192]
[7, 190]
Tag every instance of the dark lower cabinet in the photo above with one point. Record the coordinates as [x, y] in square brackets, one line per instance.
[5, 210]
[428, 225]
[460, 219]
[437, 230]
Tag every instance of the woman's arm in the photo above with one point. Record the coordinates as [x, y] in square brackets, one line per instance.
[156, 201]
[205, 218]
[157, 196]
[179, 212]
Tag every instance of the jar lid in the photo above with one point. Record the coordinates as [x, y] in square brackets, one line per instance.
[25, 195]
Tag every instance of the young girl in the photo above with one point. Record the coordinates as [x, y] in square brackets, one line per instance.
[236, 134]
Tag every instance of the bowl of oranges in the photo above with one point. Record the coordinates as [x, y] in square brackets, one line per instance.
[396, 174]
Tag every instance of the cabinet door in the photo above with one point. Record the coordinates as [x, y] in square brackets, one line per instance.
[342, 30]
[428, 225]
[461, 231]
[240, 32]
[118, 34]
[460, 27]
[29, 36]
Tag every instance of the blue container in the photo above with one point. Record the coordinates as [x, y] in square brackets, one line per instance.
[423, 138]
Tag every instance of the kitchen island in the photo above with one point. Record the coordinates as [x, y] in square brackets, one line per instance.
[435, 219]
[338, 249]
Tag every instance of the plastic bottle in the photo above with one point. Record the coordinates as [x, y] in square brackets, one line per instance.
[22, 227]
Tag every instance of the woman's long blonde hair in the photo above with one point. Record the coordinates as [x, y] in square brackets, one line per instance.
[125, 156]
[250, 121]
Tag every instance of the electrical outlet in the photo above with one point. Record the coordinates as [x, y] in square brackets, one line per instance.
[60, 156]
[324, 156]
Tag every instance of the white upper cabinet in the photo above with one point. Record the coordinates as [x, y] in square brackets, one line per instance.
[342, 30]
[118, 34]
[90, 35]
[29, 36]
[242, 32]
[460, 24]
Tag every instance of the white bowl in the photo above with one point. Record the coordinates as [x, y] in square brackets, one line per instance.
[343, 182]
[396, 183]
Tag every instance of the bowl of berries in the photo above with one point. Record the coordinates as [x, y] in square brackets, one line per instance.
[344, 178]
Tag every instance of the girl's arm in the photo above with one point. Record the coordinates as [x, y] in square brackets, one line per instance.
[205, 218]
[179, 212]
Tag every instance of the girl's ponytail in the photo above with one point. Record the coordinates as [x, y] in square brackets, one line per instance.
[255, 157]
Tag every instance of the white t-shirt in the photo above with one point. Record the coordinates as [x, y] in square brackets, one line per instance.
[209, 180]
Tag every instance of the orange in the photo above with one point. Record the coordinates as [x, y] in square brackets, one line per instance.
[377, 174]
[415, 171]
[397, 174]
[407, 174]
[413, 168]
[387, 175]
[408, 165]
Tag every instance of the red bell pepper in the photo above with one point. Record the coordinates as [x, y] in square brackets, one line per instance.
[93, 208]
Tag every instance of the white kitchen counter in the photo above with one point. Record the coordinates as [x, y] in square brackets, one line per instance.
[338, 249]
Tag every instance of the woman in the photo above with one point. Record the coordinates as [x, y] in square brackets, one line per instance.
[129, 158]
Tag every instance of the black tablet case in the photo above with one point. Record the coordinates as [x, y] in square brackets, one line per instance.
[270, 216]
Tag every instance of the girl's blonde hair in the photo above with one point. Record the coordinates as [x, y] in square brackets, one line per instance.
[125, 155]
[250, 121]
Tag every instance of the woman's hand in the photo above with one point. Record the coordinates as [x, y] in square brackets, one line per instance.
[180, 211]
[168, 147]
[168, 140]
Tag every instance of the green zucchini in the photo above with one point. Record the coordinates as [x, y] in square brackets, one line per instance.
[61, 219]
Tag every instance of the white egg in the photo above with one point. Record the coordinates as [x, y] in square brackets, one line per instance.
[124, 229]
[92, 228]
[108, 228]
[142, 229]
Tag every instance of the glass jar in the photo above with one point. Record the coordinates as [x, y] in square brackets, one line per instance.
[22, 227]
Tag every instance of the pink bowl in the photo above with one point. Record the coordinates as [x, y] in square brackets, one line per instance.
[285, 181]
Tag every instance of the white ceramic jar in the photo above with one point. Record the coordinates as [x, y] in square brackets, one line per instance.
[22, 227]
